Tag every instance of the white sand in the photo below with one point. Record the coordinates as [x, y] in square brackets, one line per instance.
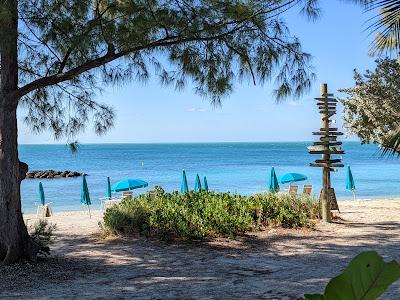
[274, 264]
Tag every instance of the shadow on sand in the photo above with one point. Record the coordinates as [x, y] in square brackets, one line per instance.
[251, 267]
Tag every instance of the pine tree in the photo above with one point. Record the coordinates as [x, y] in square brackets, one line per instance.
[54, 56]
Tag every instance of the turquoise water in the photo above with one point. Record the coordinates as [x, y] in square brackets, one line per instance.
[237, 167]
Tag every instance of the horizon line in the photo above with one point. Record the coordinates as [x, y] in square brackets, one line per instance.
[166, 143]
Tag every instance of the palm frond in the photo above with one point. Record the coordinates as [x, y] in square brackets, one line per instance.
[391, 145]
[386, 25]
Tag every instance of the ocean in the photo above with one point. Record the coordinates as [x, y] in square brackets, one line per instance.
[236, 167]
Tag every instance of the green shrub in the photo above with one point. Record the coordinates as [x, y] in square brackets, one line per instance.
[200, 215]
[42, 234]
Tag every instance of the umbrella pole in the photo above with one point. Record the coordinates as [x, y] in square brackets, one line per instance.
[354, 194]
[90, 216]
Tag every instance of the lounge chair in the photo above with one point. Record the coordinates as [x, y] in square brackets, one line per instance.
[293, 189]
[127, 195]
[44, 211]
[152, 195]
[307, 189]
[107, 203]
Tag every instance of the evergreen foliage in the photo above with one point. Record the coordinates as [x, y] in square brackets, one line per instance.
[372, 106]
[199, 215]
[68, 48]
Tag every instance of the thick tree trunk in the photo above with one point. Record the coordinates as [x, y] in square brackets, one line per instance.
[15, 243]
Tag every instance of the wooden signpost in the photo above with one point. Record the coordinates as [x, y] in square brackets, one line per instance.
[327, 146]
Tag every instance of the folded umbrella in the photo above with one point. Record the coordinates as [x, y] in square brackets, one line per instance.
[205, 183]
[108, 191]
[184, 184]
[85, 197]
[197, 186]
[273, 185]
[41, 194]
[350, 185]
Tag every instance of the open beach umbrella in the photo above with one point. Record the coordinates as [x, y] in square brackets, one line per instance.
[292, 177]
[128, 184]
[205, 183]
[108, 191]
[197, 186]
[184, 184]
[85, 197]
[41, 194]
[273, 185]
[350, 185]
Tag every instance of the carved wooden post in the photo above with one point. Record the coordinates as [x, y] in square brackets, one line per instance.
[326, 184]
[326, 146]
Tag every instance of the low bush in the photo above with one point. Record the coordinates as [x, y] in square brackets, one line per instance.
[198, 215]
[42, 234]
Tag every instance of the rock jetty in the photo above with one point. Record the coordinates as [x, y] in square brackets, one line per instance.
[49, 174]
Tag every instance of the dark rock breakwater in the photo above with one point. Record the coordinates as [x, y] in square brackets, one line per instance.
[50, 174]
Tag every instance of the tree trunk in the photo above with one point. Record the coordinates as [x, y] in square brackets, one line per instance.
[15, 242]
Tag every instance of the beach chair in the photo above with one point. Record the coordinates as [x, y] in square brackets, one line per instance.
[293, 189]
[43, 211]
[307, 189]
[128, 195]
[107, 203]
[152, 195]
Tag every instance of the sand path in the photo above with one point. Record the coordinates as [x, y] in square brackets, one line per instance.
[274, 264]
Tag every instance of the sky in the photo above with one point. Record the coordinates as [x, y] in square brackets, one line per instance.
[150, 113]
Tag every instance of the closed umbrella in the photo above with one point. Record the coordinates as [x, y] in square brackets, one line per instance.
[292, 177]
[128, 184]
[44, 208]
[184, 184]
[273, 185]
[108, 191]
[197, 186]
[205, 183]
[41, 194]
[350, 185]
[85, 197]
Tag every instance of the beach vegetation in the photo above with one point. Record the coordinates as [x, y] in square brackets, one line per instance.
[56, 55]
[377, 91]
[42, 233]
[201, 215]
[385, 25]
[366, 277]
[372, 106]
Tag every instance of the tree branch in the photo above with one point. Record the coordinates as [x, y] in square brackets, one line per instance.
[108, 57]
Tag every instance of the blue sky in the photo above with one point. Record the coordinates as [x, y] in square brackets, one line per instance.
[148, 113]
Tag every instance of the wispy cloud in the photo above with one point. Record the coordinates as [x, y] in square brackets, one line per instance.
[197, 110]
[293, 103]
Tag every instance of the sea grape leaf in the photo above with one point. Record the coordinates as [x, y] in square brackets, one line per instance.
[365, 278]
[314, 297]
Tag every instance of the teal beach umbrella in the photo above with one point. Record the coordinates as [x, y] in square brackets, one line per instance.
[108, 191]
[184, 184]
[197, 186]
[205, 183]
[128, 184]
[292, 177]
[85, 197]
[273, 185]
[350, 185]
[41, 194]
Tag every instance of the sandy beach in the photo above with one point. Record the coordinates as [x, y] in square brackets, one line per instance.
[273, 264]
